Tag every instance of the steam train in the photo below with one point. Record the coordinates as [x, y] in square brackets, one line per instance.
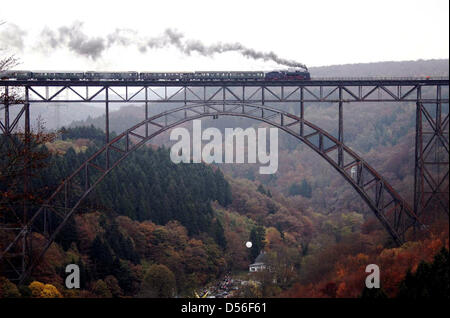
[280, 75]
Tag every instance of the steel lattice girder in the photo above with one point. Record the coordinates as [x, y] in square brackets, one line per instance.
[248, 92]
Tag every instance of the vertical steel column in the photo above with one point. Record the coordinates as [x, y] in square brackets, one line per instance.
[107, 124]
[146, 110]
[341, 129]
[418, 173]
[262, 102]
[439, 133]
[107, 114]
[302, 111]
[439, 111]
[26, 181]
[27, 149]
[6, 101]
[223, 97]
[204, 98]
[185, 101]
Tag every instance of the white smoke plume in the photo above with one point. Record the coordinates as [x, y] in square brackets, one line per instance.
[12, 37]
[76, 40]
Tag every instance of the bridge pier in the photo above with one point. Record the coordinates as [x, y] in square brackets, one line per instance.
[341, 128]
[431, 182]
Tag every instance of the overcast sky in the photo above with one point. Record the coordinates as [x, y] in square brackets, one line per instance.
[319, 32]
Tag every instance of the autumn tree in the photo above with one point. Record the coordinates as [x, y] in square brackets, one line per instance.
[159, 282]
[101, 289]
[40, 290]
[284, 262]
[113, 285]
[50, 291]
[8, 289]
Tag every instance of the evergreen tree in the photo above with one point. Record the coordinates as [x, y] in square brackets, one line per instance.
[257, 237]
[147, 186]
[102, 257]
[218, 234]
[261, 189]
[304, 189]
[429, 281]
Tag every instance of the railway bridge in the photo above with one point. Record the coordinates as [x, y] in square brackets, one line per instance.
[260, 100]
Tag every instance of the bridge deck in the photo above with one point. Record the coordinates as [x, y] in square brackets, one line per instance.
[313, 82]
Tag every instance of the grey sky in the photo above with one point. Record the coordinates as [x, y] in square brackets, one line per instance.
[312, 32]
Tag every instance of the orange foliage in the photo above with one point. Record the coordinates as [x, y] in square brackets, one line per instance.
[348, 277]
[39, 290]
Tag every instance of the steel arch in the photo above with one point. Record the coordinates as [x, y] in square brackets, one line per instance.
[391, 210]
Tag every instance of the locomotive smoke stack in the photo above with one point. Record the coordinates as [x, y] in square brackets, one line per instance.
[73, 38]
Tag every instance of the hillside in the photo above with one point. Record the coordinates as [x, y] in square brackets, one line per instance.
[385, 69]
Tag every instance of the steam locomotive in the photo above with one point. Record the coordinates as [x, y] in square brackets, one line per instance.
[281, 75]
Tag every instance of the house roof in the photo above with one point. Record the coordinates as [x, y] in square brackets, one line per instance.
[261, 258]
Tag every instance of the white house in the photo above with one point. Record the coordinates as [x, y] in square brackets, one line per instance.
[259, 263]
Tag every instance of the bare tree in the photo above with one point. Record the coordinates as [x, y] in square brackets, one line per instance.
[22, 155]
[7, 62]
